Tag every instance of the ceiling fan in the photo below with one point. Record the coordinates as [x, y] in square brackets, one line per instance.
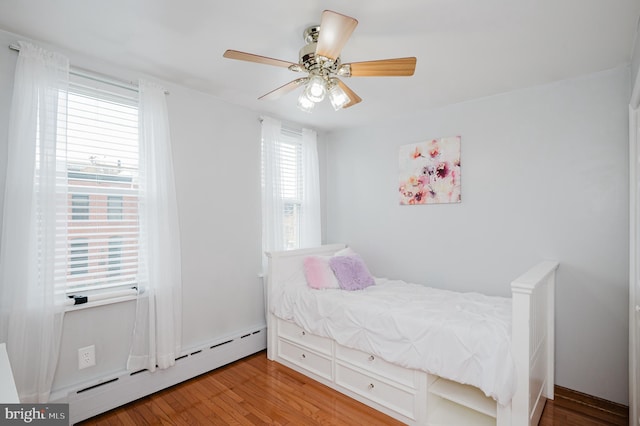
[320, 59]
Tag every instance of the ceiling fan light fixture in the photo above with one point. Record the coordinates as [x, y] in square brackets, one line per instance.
[304, 103]
[338, 97]
[316, 89]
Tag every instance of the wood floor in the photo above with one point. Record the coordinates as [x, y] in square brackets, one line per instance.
[255, 391]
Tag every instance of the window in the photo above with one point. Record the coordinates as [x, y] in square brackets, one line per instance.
[79, 256]
[291, 184]
[114, 207]
[79, 207]
[115, 255]
[102, 163]
[291, 189]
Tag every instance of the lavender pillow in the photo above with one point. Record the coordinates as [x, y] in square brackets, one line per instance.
[351, 271]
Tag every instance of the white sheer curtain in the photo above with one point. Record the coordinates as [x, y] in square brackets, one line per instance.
[157, 332]
[272, 202]
[32, 293]
[310, 225]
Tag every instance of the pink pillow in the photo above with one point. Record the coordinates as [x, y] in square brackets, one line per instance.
[318, 272]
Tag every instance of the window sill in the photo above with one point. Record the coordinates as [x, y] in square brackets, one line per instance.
[104, 299]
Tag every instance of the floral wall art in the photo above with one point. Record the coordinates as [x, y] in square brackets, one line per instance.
[430, 171]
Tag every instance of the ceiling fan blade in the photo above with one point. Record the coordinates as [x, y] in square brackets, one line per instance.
[283, 90]
[335, 30]
[353, 98]
[250, 57]
[398, 67]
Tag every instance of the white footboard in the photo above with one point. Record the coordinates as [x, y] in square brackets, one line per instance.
[412, 396]
[533, 342]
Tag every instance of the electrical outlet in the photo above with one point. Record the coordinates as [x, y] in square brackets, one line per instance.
[86, 357]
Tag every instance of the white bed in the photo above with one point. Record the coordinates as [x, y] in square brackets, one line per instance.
[390, 345]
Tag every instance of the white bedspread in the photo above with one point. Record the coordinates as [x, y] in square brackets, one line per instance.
[464, 337]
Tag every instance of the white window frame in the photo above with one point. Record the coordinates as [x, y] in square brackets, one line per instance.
[102, 181]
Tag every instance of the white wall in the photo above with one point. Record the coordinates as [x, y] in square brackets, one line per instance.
[216, 149]
[544, 176]
[635, 56]
[217, 168]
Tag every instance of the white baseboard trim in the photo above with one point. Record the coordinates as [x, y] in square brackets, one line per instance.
[90, 399]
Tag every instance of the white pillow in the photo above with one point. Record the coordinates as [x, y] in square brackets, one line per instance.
[347, 251]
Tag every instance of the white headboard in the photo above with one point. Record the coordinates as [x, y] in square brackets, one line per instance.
[287, 268]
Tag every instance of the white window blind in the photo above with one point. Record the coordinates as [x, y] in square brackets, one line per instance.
[291, 186]
[102, 163]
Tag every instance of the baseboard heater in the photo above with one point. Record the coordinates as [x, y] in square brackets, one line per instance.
[91, 399]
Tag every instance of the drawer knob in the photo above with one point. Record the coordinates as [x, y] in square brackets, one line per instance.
[303, 356]
[371, 358]
[370, 386]
[304, 333]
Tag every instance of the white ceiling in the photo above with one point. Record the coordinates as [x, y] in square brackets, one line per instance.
[465, 48]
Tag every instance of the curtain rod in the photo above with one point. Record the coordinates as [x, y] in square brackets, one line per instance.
[101, 78]
[293, 128]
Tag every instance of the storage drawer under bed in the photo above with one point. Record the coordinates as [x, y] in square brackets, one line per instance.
[402, 401]
[292, 332]
[377, 365]
[305, 358]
